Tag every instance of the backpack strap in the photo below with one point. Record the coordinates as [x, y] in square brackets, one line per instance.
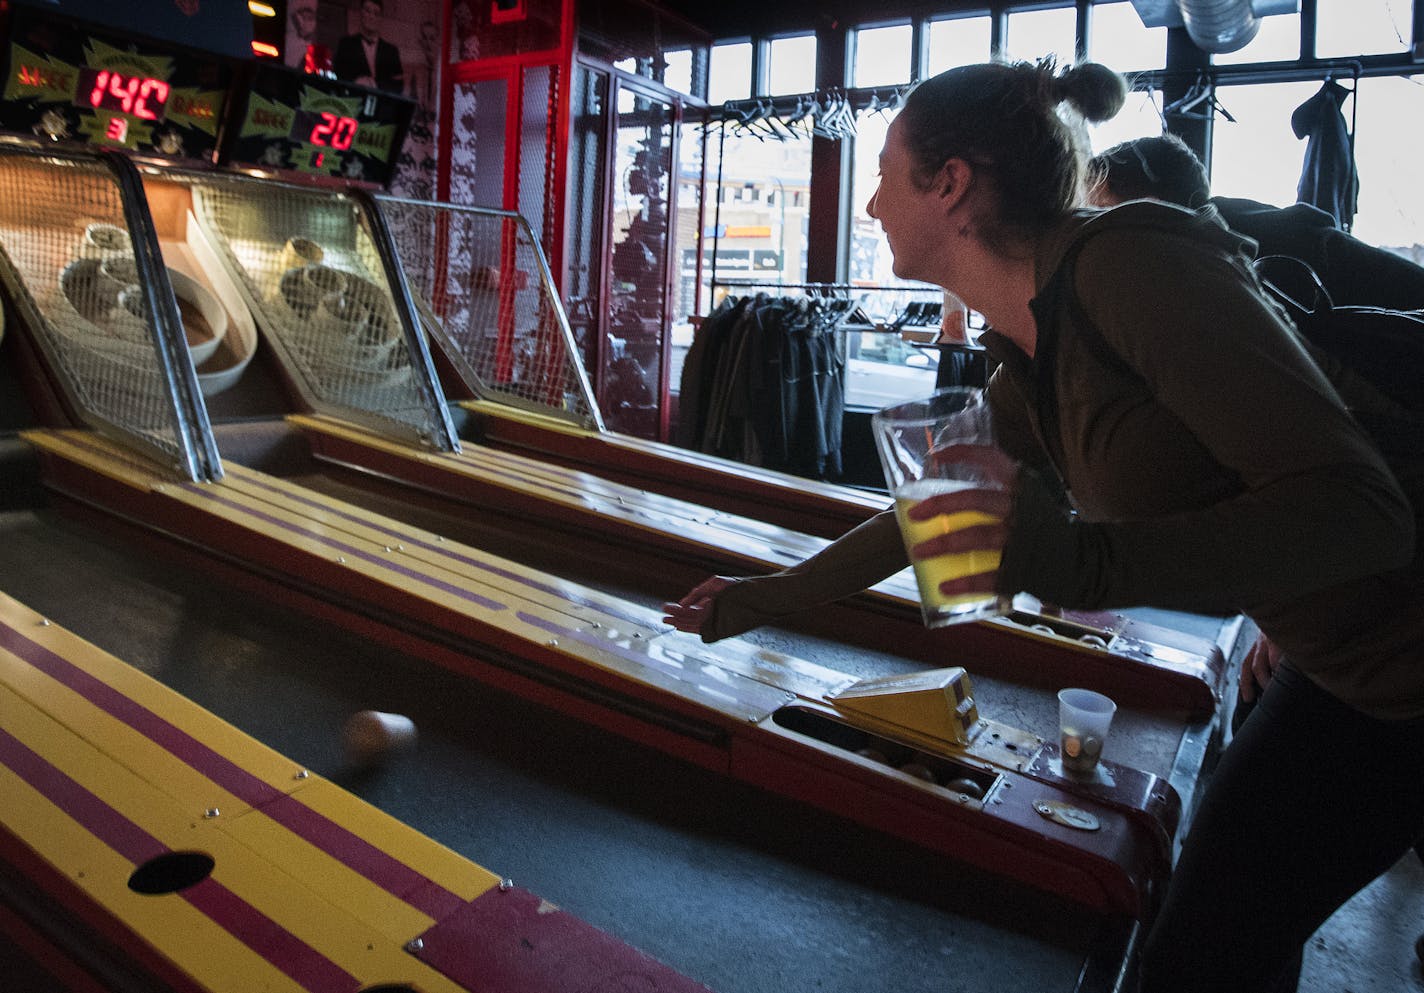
[1294, 283]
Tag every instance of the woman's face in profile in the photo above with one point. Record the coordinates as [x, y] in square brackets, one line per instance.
[909, 215]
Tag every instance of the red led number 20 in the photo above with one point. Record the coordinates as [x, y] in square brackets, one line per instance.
[337, 132]
[131, 93]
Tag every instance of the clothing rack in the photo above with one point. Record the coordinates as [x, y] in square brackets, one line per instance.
[1320, 69]
[833, 124]
[764, 382]
[910, 314]
[825, 113]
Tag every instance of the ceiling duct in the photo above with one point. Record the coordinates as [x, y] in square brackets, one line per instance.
[1220, 25]
[1214, 25]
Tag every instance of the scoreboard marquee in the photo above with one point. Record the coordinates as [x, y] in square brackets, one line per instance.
[97, 88]
[311, 124]
[77, 82]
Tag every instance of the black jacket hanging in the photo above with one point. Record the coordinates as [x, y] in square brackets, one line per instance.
[1327, 179]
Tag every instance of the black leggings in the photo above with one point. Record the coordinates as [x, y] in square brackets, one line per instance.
[1311, 801]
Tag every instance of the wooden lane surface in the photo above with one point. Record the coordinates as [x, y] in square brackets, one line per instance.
[682, 862]
[104, 770]
[1112, 652]
[819, 508]
[465, 586]
[483, 601]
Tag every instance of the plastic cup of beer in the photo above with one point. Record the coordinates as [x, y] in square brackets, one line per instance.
[915, 440]
[1084, 717]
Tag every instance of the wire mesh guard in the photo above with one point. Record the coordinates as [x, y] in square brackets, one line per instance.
[483, 286]
[311, 273]
[69, 267]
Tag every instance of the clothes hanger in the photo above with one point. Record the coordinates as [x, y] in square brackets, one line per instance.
[1200, 92]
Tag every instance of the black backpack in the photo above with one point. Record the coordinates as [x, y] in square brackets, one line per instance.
[1384, 346]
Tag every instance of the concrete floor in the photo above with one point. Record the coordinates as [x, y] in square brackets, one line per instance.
[1368, 946]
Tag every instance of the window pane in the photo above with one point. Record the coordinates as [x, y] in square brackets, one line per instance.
[687, 237]
[793, 65]
[678, 73]
[760, 221]
[870, 255]
[631, 355]
[1259, 156]
[958, 41]
[1361, 27]
[1036, 33]
[881, 368]
[1391, 210]
[1119, 40]
[882, 56]
[1277, 41]
[730, 75]
[1140, 117]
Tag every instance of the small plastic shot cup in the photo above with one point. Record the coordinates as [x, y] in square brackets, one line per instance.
[1084, 717]
[913, 440]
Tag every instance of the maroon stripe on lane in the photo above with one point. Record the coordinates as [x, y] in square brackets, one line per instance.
[304, 964]
[512, 940]
[185, 747]
[82, 806]
[351, 850]
[265, 937]
[364, 858]
[345, 549]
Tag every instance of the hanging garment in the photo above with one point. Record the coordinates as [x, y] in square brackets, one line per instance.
[766, 386]
[702, 358]
[1327, 179]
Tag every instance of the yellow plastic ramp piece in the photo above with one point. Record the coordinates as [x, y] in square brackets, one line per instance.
[937, 704]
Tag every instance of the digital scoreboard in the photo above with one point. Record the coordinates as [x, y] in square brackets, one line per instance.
[67, 82]
[316, 125]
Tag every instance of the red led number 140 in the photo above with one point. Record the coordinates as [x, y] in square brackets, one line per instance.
[142, 96]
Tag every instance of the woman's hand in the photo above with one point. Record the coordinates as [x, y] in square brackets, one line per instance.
[691, 612]
[1258, 667]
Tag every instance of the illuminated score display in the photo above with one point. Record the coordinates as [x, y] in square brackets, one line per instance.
[324, 128]
[66, 81]
[311, 124]
[105, 89]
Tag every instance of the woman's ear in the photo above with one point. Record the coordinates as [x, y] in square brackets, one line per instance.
[953, 181]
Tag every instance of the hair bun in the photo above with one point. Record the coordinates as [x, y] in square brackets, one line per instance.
[1092, 89]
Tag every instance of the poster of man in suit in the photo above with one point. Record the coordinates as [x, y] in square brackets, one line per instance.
[378, 43]
[396, 47]
[366, 57]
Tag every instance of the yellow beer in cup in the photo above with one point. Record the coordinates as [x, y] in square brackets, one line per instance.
[931, 572]
[920, 444]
